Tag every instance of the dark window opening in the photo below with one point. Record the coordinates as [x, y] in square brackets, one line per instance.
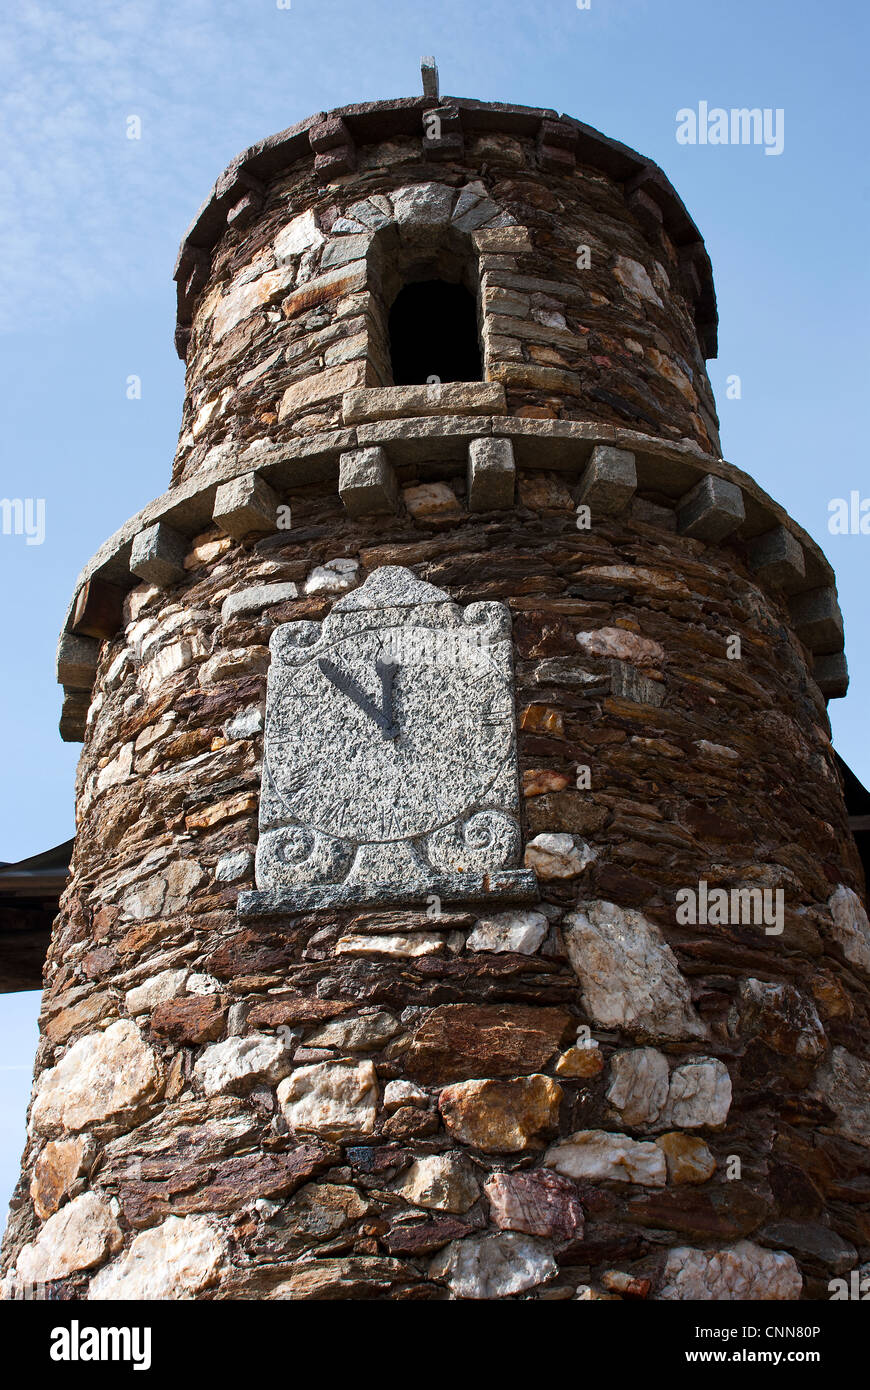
[433, 333]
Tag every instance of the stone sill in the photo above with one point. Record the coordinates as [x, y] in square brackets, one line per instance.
[367, 406]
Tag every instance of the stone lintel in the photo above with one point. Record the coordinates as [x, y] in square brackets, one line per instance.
[817, 620]
[158, 555]
[831, 674]
[711, 510]
[505, 885]
[491, 475]
[609, 481]
[375, 403]
[367, 482]
[246, 506]
[778, 558]
[77, 660]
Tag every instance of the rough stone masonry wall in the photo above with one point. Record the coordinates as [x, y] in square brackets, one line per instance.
[387, 1104]
[293, 312]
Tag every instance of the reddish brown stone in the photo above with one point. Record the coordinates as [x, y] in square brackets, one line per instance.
[422, 1237]
[104, 920]
[625, 1285]
[100, 962]
[618, 885]
[199, 1019]
[198, 706]
[410, 1123]
[298, 1009]
[56, 1171]
[224, 1186]
[540, 1203]
[709, 825]
[457, 1042]
[543, 634]
[79, 1017]
[248, 953]
[538, 780]
[571, 811]
[728, 1212]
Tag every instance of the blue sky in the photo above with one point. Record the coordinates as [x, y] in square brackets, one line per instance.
[90, 224]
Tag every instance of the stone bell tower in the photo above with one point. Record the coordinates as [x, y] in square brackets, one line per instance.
[463, 901]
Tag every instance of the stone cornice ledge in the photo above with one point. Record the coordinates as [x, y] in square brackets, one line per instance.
[427, 445]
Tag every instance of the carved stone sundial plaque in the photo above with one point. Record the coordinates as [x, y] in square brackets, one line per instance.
[390, 767]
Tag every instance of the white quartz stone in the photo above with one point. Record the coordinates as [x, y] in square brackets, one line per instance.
[199, 983]
[443, 1182]
[117, 770]
[170, 660]
[103, 1076]
[594, 1155]
[554, 856]
[622, 645]
[335, 577]
[851, 927]
[246, 724]
[78, 1236]
[743, 1271]
[404, 945]
[235, 1062]
[175, 1260]
[699, 1095]
[493, 1266]
[635, 277]
[521, 932]
[301, 234]
[639, 1085]
[166, 985]
[629, 974]
[335, 1099]
[399, 1093]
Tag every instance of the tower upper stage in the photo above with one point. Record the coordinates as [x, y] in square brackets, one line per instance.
[411, 277]
[593, 291]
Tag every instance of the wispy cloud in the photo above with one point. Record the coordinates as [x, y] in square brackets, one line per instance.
[80, 203]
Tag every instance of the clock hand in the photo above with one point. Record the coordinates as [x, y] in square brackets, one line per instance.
[387, 672]
[348, 686]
